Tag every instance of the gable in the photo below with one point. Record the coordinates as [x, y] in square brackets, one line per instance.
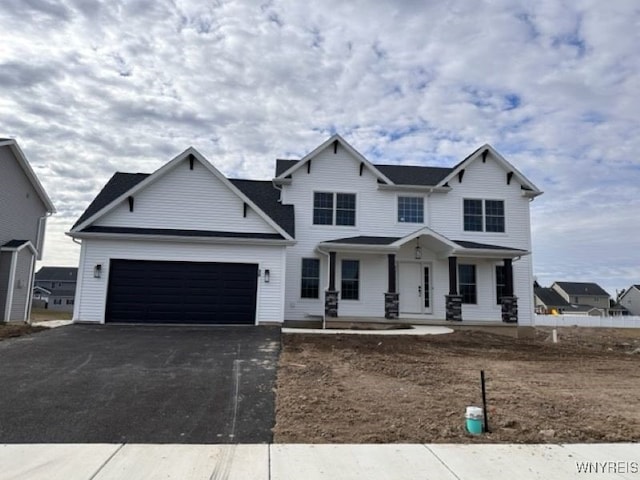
[188, 197]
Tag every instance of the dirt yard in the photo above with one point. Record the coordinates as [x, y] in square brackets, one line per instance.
[404, 389]
[11, 330]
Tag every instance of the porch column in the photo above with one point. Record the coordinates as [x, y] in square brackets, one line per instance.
[391, 297]
[453, 300]
[509, 302]
[331, 295]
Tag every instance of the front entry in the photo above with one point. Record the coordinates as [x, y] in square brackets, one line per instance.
[414, 282]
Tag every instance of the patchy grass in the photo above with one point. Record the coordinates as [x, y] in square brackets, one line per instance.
[11, 330]
[42, 315]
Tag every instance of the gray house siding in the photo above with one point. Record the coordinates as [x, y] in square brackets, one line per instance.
[21, 208]
[22, 285]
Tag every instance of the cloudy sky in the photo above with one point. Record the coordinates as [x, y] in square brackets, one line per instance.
[89, 88]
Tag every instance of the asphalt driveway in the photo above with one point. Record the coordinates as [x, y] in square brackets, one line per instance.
[139, 384]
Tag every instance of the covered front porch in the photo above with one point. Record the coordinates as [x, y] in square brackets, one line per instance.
[422, 278]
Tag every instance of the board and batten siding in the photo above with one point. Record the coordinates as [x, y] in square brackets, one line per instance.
[187, 199]
[91, 293]
[376, 215]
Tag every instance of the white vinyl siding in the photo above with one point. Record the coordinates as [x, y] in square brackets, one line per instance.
[189, 200]
[92, 292]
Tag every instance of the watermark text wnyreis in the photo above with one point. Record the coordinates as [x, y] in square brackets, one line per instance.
[608, 467]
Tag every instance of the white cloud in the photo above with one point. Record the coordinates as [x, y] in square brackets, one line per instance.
[90, 88]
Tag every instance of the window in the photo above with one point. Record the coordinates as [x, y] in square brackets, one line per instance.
[69, 302]
[501, 283]
[57, 301]
[410, 209]
[323, 208]
[483, 215]
[350, 280]
[467, 283]
[310, 281]
[53, 284]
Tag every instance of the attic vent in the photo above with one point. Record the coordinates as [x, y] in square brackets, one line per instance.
[191, 158]
[484, 156]
[509, 177]
[335, 147]
[130, 198]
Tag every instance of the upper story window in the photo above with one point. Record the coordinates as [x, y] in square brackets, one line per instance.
[410, 209]
[334, 208]
[483, 215]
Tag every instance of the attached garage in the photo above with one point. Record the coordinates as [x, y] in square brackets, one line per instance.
[181, 292]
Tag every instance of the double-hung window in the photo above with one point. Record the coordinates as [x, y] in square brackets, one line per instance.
[483, 215]
[331, 208]
[350, 280]
[310, 279]
[410, 209]
[467, 283]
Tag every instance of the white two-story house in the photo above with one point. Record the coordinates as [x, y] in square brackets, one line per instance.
[331, 236]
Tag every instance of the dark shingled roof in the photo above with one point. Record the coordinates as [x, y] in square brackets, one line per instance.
[63, 292]
[181, 233]
[364, 240]
[15, 243]
[466, 244]
[265, 196]
[284, 165]
[57, 274]
[398, 174]
[117, 185]
[582, 288]
[550, 297]
[262, 193]
[413, 175]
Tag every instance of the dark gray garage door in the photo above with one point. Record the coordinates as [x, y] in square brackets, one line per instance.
[181, 292]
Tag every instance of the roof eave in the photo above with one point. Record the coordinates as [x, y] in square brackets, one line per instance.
[489, 253]
[356, 247]
[180, 239]
[414, 188]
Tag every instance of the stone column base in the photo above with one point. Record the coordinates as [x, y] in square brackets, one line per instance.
[331, 303]
[509, 309]
[454, 308]
[391, 305]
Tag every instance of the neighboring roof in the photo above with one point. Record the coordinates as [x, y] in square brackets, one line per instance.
[117, 185]
[550, 297]
[180, 233]
[414, 175]
[57, 274]
[485, 246]
[284, 165]
[582, 288]
[14, 243]
[578, 308]
[24, 163]
[267, 197]
[63, 292]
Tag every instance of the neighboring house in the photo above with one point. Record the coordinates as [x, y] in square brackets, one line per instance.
[332, 235]
[55, 288]
[548, 301]
[630, 299]
[583, 293]
[24, 207]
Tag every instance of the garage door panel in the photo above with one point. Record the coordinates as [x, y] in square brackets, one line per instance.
[181, 292]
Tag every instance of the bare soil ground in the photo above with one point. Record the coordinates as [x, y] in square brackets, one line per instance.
[405, 389]
[10, 330]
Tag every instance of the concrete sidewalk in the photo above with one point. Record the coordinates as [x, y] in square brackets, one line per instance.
[321, 462]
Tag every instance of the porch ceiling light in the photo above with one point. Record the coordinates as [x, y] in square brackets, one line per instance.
[418, 251]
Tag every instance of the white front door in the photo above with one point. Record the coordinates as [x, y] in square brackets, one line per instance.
[414, 287]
